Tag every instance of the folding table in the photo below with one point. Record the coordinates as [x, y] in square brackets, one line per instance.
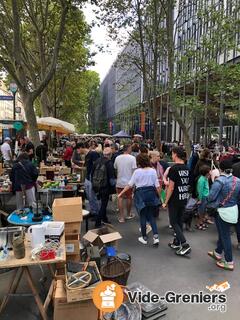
[22, 267]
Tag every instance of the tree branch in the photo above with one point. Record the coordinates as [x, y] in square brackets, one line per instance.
[11, 70]
[16, 33]
[58, 40]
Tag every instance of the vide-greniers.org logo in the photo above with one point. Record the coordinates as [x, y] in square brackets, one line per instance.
[108, 296]
[216, 301]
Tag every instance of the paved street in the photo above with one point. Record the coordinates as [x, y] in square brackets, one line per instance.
[161, 271]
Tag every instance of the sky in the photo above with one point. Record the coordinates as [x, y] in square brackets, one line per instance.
[103, 60]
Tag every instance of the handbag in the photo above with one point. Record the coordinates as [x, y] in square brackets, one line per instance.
[229, 214]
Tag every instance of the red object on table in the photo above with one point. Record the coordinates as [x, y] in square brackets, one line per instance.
[47, 255]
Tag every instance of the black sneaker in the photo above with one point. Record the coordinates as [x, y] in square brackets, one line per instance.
[184, 249]
[174, 245]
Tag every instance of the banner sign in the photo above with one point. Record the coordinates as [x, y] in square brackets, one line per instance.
[8, 98]
[143, 117]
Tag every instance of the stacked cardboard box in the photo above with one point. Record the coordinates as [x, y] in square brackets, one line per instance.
[84, 310]
[69, 210]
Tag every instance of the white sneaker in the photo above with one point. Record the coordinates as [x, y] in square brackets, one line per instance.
[155, 241]
[140, 239]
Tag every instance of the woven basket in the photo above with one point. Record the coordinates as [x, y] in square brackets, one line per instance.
[116, 270]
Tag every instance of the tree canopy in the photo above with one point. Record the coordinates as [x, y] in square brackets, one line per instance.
[38, 39]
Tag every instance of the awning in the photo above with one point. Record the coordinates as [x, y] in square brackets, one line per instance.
[53, 124]
[102, 135]
[122, 134]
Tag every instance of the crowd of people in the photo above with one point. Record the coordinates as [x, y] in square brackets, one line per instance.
[203, 187]
[137, 172]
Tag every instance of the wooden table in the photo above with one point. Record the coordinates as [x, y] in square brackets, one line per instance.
[22, 267]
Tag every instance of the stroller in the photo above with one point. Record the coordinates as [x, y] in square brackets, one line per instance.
[191, 211]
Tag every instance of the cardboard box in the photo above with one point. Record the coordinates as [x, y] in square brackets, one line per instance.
[67, 209]
[105, 236]
[84, 310]
[84, 293]
[72, 244]
[72, 228]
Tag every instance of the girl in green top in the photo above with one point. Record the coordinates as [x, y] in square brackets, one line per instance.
[202, 192]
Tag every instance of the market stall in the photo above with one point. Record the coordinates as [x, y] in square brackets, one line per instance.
[122, 135]
[53, 124]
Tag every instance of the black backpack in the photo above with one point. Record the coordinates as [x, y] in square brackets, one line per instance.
[100, 177]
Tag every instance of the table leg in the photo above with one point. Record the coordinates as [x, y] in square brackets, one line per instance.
[10, 290]
[49, 296]
[35, 294]
[18, 280]
[51, 270]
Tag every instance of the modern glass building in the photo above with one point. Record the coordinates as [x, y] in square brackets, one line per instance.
[202, 40]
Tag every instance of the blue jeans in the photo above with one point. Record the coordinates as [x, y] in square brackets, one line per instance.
[92, 197]
[147, 215]
[102, 215]
[224, 239]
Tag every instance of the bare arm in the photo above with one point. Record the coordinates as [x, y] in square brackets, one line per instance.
[124, 191]
[169, 193]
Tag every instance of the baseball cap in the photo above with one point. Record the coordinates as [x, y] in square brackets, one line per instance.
[7, 139]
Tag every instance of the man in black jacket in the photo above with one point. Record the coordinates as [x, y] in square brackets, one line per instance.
[24, 176]
[41, 152]
[107, 186]
[29, 148]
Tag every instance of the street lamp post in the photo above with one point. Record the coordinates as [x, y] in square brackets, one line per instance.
[13, 88]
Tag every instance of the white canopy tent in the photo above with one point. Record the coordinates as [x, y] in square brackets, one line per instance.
[50, 123]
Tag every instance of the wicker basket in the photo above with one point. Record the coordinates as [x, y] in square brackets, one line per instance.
[116, 270]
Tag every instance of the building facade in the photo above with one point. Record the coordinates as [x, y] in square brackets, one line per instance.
[6, 106]
[200, 42]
